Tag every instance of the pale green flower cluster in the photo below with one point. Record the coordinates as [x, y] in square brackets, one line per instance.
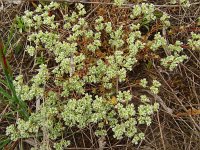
[108, 27]
[61, 145]
[173, 60]
[138, 137]
[36, 89]
[124, 97]
[116, 40]
[185, 3]
[73, 84]
[176, 48]
[175, 57]
[31, 50]
[134, 45]
[78, 112]
[154, 88]
[84, 111]
[144, 114]
[165, 20]
[43, 119]
[70, 20]
[34, 19]
[39, 38]
[143, 83]
[95, 36]
[194, 42]
[119, 64]
[146, 110]
[144, 98]
[158, 42]
[146, 10]
[119, 2]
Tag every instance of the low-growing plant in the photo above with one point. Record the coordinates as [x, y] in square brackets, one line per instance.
[80, 79]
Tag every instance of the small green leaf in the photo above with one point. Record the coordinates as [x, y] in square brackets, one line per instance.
[4, 142]
[5, 94]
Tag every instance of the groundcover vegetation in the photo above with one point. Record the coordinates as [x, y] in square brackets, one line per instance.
[100, 75]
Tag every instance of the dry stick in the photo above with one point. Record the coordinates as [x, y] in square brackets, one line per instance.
[74, 139]
[31, 142]
[83, 139]
[161, 102]
[190, 71]
[101, 142]
[46, 139]
[194, 90]
[196, 125]
[37, 104]
[108, 142]
[164, 32]
[107, 3]
[3, 112]
[79, 148]
[2, 6]
[192, 78]
[72, 65]
[197, 59]
[92, 11]
[91, 135]
[172, 16]
[161, 134]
